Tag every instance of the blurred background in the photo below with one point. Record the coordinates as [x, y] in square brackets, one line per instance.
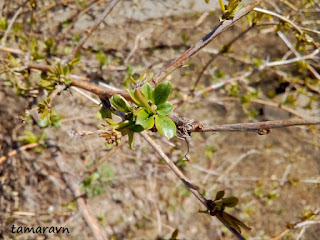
[132, 193]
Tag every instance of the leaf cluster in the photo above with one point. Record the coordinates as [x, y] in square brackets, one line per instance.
[150, 111]
[57, 75]
[217, 206]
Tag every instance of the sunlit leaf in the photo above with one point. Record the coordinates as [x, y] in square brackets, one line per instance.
[120, 103]
[147, 90]
[145, 120]
[130, 136]
[165, 109]
[161, 93]
[165, 126]
[132, 95]
[136, 128]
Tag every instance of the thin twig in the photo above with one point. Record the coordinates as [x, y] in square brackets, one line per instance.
[268, 12]
[174, 168]
[73, 184]
[15, 152]
[298, 55]
[101, 161]
[6, 34]
[184, 179]
[258, 127]
[109, 92]
[292, 60]
[221, 51]
[106, 12]
[180, 61]
[235, 163]
[11, 50]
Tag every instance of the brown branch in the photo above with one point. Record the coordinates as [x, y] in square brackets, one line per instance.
[259, 127]
[6, 34]
[225, 48]
[297, 225]
[102, 160]
[184, 179]
[175, 169]
[178, 62]
[15, 152]
[256, 127]
[73, 184]
[106, 12]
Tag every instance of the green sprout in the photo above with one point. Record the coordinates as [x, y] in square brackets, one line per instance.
[151, 111]
[229, 11]
[216, 208]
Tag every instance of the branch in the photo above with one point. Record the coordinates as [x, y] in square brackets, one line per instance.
[15, 152]
[6, 34]
[185, 180]
[106, 12]
[73, 185]
[178, 62]
[174, 168]
[259, 127]
[195, 127]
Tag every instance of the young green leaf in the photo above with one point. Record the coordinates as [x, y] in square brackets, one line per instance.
[139, 95]
[65, 70]
[161, 93]
[136, 128]
[145, 120]
[165, 109]
[47, 84]
[104, 113]
[130, 136]
[147, 90]
[165, 126]
[230, 201]
[120, 103]
[68, 81]
[132, 95]
[219, 195]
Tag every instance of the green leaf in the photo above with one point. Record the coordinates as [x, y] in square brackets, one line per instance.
[165, 126]
[219, 195]
[130, 136]
[139, 95]
[132, 95]
[136, 128]
[65, 70]
[147, 91]
[165, 109]
[120, 103]
[103, 113]
[230, 201]
[203, 211]
[145, 120]
[101, 57]
[68, 81]
[47, 84]
[29, 137]
[161, 93]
